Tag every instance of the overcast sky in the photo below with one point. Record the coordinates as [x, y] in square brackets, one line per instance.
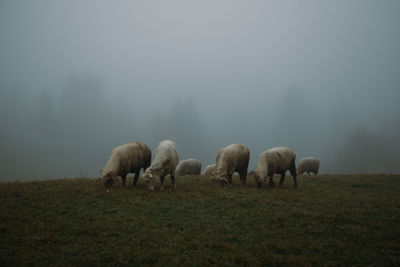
[243, 66]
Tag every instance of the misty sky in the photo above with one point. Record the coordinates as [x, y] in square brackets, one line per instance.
[249, 71]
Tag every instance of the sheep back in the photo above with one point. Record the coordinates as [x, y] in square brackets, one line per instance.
[188, 167]
[309, 164]
[209, 170]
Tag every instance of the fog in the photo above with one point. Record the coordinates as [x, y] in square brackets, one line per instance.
[78, 78]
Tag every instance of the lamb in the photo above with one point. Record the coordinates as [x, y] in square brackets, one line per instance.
[124, 159]
[229, 159]
[188, 167]
[209, 170]
[275, 160]
[165, 161]
[310, 164]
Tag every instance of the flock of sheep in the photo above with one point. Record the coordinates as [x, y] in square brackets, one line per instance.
[132, 157]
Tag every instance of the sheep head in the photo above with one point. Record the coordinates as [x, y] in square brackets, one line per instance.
[219, 177]
[259, 178]
[152, 181]
[109, 177]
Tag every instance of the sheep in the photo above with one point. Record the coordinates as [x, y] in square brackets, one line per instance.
[165, 161]
[275, 160]
[234, 157]
[209, 170]
[124, 159]
[310, 164]
[188, 167]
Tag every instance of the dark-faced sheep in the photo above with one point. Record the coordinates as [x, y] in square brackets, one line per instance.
[165, 161]
[308, 165]
[188, 167]
[124, 159]
[275, 160]
[230, 159]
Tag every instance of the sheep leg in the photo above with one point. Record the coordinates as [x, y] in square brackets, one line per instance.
[230, 178]
[173, 180]
[135, 179]
[243, 176]
[282, 179]
[293, 173]
[162, 182]
[123, 177]
[271, 182]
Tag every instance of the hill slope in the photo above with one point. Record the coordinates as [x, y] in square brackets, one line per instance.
[327, 219]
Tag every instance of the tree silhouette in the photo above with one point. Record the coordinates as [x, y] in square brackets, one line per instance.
[294, 125]
[365, 152]
[83, 107]
[47, 121]
[183, 125]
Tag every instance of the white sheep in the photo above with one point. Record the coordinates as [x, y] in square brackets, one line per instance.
[308, 165]
[209, 170]
[124, 159]
[165, 161]
[275, 160]
[188, 167]
[230, 159]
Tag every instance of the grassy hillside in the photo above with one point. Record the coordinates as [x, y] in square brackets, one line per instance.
[328, 219]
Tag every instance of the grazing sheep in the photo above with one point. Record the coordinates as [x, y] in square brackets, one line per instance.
[275, 160]
[124, 159]
[209, 170]
[165, 161]
[229, 159]
[308, 165]
[188, 167]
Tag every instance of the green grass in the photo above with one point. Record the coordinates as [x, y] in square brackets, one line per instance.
[327, 220]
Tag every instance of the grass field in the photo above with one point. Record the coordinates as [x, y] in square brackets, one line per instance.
[327, 220]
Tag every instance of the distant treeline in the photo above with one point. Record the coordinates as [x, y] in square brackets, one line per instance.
[70, 132]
